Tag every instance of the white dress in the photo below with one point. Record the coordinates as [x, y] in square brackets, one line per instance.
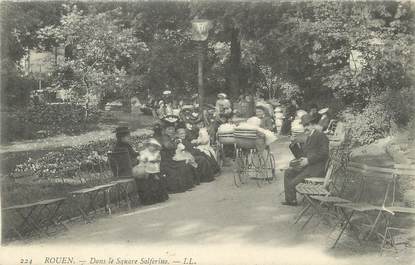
[150, 161]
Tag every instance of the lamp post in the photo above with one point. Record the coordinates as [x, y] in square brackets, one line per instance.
[200, 32]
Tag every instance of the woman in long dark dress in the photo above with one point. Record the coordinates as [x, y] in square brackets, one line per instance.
[207, 166]
[179, 174]
[151, 188]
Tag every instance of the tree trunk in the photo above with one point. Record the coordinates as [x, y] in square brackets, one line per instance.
[235, 63]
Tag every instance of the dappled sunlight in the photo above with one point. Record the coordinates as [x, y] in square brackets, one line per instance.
[146, 210]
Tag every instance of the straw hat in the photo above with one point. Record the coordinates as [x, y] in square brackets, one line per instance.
[222, 95]
[154, 142]
[263, 107]
[301, 113]
[323, 111]
[166, 92]
[278, 109]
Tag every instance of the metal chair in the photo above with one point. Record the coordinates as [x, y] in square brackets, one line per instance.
[396, 210]
[374, 192]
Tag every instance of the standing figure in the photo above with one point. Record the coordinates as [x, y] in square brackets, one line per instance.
[290, 113]
[325, 119]
[279, 117]
[223, 112]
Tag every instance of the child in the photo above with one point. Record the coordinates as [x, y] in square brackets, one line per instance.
[151, 185]
[255, 122]
[203, 143]
[183, 155]
[150, 157]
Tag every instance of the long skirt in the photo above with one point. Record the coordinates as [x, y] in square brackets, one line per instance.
[152, 189]
[207, 166]
[180, 176]
[286, 127]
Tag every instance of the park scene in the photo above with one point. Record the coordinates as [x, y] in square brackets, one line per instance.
[277, 130]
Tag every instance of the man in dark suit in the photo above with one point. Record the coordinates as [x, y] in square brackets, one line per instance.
[313, 161]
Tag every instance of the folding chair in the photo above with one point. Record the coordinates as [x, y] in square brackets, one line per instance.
[372, 200]
[331, 127]
[339, 154]
[405, 174]
[307, 190]
[348, 189]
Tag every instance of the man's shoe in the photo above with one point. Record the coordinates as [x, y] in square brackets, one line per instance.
[293, 203]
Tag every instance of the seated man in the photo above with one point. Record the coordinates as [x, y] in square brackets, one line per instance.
[313, 161]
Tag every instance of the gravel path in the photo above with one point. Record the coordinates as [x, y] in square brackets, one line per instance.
[219, 224]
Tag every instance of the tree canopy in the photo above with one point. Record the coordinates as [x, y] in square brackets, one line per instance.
[342, 52]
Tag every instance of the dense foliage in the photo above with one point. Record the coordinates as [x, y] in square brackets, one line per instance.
[342, 54]
[43, 120]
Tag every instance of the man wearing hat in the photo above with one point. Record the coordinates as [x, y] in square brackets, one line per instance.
[311, 164]
[123, 152]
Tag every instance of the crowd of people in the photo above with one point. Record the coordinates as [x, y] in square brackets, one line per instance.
[180, 154]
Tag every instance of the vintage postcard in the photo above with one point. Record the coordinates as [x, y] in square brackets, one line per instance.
[207, 132]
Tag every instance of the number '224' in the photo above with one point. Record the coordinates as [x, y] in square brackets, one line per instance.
[25, 261]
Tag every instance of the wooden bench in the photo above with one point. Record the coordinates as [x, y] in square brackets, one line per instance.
[91, 195]
[35, 217]
[121, 168]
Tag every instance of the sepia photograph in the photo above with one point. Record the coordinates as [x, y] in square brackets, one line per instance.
[207, 132]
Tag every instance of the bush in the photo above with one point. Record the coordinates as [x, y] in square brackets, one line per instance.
[51, 119]
[382, 116]
[374, 122]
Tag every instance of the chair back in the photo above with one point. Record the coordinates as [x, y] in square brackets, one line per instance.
[404, 185]
[331, 128]
[375, 185]
[329, 175]
[120, 163]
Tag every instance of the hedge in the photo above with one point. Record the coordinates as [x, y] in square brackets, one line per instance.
[41, 120]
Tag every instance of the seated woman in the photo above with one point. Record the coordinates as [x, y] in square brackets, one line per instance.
[151, 185]
[207, 166]
[180, 174]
